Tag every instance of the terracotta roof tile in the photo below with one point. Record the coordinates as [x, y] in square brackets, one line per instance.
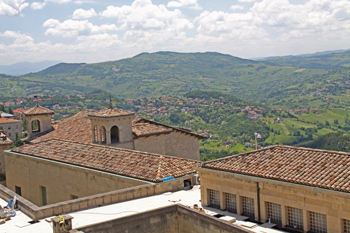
[131, 163]
[111, 112]
[8, 120]
[312, 167]
[38, 110]
[78, 129]
[146, 129]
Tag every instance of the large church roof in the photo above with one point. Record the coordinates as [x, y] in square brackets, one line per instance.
[136, 164]
[77, 128]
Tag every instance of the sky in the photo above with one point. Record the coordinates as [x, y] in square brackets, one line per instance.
[105, 30]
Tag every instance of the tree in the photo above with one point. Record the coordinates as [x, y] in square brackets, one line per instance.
[336, 121]
[18, 141]
[327, 123]
[10, 110]
[2, 108]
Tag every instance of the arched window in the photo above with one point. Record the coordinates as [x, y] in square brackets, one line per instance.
[114, 134]
[36, 126]
[97, 135]
[103, 135]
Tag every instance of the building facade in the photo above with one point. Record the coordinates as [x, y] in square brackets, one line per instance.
[298, 189]
[11, 127]
[54, 170]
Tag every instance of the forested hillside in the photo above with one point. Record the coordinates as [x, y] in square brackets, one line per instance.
[169, 73]
[317, 61]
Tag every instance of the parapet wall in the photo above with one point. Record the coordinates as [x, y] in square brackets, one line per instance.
[171, 219]
[35, 212]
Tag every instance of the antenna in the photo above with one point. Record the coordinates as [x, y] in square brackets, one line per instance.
[110, 102]
[37, 102]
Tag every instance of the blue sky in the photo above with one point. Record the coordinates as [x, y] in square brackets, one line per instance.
[95, 31]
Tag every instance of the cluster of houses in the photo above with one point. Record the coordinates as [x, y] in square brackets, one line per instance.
[299, 111]
[13, 102]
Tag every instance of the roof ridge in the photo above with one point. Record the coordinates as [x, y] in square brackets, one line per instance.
[314, 149]
[175, 128]
[244, 153]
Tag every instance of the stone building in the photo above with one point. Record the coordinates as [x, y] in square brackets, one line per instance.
[38, 120]
[298, 189]
[96, 152]
[5, 144]
[11, 127]
[55, 170]
[116, 128]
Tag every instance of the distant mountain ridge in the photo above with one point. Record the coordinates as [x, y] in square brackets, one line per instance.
[319, 60]
[22, 68]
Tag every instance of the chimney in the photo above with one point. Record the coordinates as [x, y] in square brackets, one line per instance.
[62, 223]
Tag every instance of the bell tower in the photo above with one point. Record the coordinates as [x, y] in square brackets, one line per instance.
[112, 126]
[38, 119]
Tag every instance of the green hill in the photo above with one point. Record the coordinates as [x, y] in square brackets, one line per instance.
[169, 73]
[317, 61]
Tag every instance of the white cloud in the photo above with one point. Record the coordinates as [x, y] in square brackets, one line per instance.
[58, 1]
[19, 37]
[248, 0]
[71, 28]
[51, 23]
[185, 3]
[143, 15]
[83, 14]
[237, 7]
[218, 21]
[37, 5]
[79, 2]
[12, 7]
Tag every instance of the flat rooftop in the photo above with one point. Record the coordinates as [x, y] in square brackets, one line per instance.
[20, 223]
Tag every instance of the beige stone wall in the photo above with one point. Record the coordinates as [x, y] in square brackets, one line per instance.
[152, 144]
[61, 180]
[2, 158]
[44, 120]
[182, 145]
[12, 128]
[336, 205]
[124, 125]
[175, 144]
[170, 219]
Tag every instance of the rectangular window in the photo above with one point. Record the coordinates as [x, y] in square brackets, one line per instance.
[248, 206]
[9, 134]
[274, 212]
[43, 192]
[18, 190]
[9, 127]
[231, 202]
[295, 217]
[214, 198]
[318, 222]
[346, 226]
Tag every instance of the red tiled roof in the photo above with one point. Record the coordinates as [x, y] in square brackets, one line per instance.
[78, 129]
[143, 120]
[131, 163]
[111, 112]
[146, 129]
[7, 120]
[312, 167]
[37, 110]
